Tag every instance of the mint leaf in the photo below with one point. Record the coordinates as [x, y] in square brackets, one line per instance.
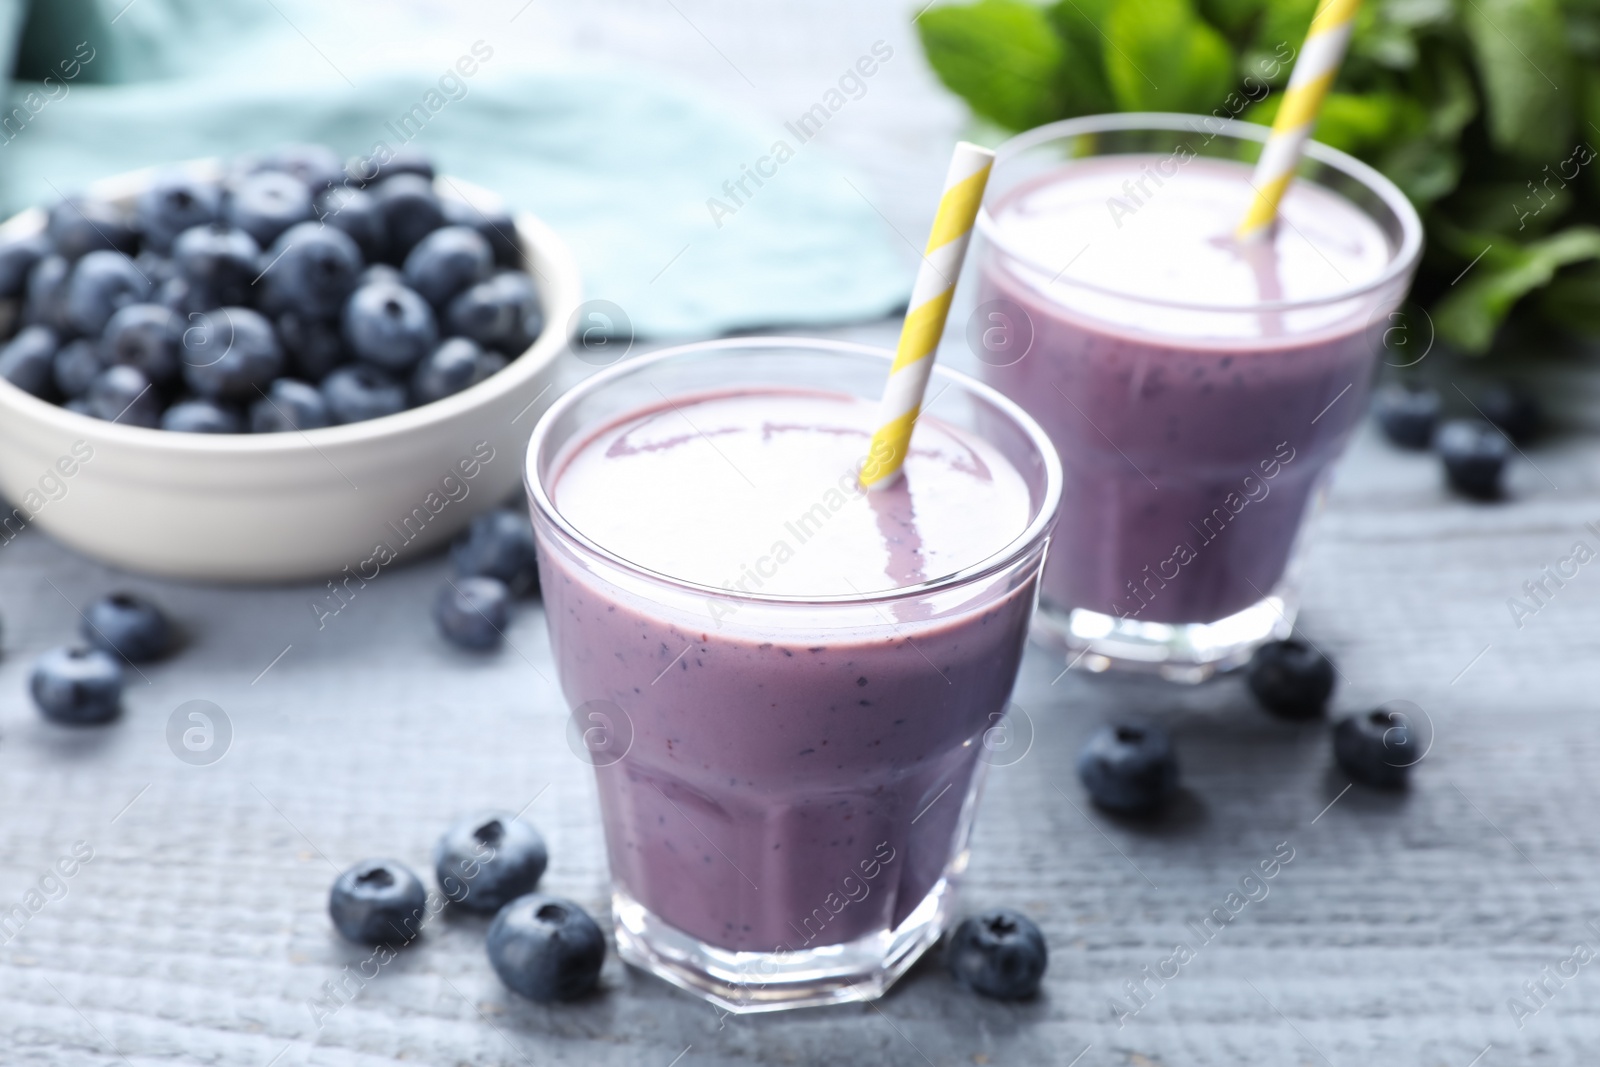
[1526, 72]
[1002, 56]
[1161, 56]
[1232, 16]
[1573, 300]
[1470, 315]
[1083, 74]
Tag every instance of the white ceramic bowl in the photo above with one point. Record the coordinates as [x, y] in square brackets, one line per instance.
[283, 506]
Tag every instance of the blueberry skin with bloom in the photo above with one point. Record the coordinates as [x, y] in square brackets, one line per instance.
[357, 392]
[74, 367]
[77, 686]
[147, 336]
[455, 365]
[502, 313]
[27, 360]
[1407, 417]
[1474, 453]
[355, 212]
[494, 223]
[410, 210]
[378, 902]
[488, 859]
[317, 166]
[313, 345]
[312, 269]
[79, 225]
[45, 303]
[201, 416]
[124, 395]
[17, 257]
[446, 262]
[289, 405]
[1290, 678]
[1378, 747]
[267, 203]
[389, 326]
[1129, 767]
[174, 202]
[102, 282]
[1000, 954]
[230, 353]
[128, 625]
[546, 948]
[499, 544]
[472, 612]
[218, 263]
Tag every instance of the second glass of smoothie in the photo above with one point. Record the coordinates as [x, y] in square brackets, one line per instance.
[1197, 390]
[784, 682]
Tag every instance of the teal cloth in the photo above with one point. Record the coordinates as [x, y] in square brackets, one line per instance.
[621, 163]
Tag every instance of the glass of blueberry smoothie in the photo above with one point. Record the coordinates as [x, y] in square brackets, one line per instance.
[1197, 389]
[784, 682]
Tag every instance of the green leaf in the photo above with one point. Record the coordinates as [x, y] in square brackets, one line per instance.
[1083, 74]
[1232, 16]
[1424, 170]
[1527, 74]
[1479, 303]
[1161, 56]
[1002, 56]
[1573, 300]
[1356, 123]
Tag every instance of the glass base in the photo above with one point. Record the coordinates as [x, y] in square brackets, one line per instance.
[749, 982]
[1189, 653]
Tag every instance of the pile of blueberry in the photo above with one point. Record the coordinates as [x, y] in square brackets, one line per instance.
[82, 686]
[288, 295]
[1131, 768]
[495, 561]
[1474, 450]
[546, 948]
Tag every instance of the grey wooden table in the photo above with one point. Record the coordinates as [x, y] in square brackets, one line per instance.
[1397, 934]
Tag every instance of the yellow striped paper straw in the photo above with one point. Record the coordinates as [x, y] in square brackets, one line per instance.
[1313, 76]
[930, 305]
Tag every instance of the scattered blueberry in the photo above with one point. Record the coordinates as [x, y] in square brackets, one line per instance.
[1129, 768]
[219, 263]
[314, 345]
[472, 612]
[18, 254]
[389, 326]
[46, 301]
[356, 213]
[486, 860]
[410, 210]
[230, 353]
[446, 262]
[1407, 416]
[129, 625]
[102, 282]
[26, 360]
[456, 364]
[1000, 953]
[355, 393]
[74, 366]
[502, 313]
[175, 202]
[1511, 409]
[267, 203]
[499, 544]
[1290, 678]
[201, 416]
[312, 269]
[546, 948]
[378, 902]
[288, 405]
[77, 686]
[78, 225]
[123, 394]
[147, 336]
[1377, 747]
[1474, 454]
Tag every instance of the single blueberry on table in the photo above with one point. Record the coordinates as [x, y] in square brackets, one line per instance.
[410, 210]
[499, 544]
[27, 360]
[101, 283]
[125, 395]
[314, 345]
[446, 262]
[201, 416]
[74, 366]
[175, 202]
[229, 353]
[1129, 767]
[502, 313]
[288, 405]
[317, 166]
[147, 336]
[488, 859]
[356, 392]
[78, 225]
[18, 254]
[267, 203]
[389, 326]
[128, 625]
[1474, 453]
[1290, 678]
[356, 213]
[311, 269]
[378, 902]
[46, 301]
[456, 364]
[1407, 416]
[219, 263]
[494, 223]
[546, 948]
[1511, 409]
[77, 686]
[472, 612]
[1378, 747]
[1000, 953]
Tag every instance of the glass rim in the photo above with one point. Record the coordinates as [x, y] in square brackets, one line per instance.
[1400, 264]
[1037, 530]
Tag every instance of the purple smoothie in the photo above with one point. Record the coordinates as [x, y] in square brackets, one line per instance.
[1192, 438]
[800, 775]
